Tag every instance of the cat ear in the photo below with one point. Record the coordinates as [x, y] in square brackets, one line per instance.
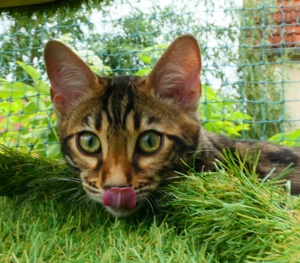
[71, 79]
[176, 76]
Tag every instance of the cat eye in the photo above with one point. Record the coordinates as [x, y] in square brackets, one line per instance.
[149, 142]
[89, 142]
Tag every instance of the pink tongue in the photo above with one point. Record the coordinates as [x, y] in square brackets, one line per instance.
[120, 198]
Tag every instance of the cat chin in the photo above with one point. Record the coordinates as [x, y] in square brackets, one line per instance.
[122, 213]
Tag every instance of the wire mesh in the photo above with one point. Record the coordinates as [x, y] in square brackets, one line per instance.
[249, 50]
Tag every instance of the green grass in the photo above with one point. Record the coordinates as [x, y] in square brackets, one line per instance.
[226, 216]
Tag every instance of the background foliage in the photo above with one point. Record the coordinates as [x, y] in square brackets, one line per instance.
[243, 93]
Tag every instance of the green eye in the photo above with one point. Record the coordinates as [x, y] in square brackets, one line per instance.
[149, 142]
[89, 142]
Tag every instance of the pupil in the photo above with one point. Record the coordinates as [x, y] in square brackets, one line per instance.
[149, 141]
[90, 140]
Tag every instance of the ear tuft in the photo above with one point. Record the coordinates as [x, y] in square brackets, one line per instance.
[71, 79]
[176, 76]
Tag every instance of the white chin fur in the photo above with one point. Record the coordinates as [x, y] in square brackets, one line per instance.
[121, 213]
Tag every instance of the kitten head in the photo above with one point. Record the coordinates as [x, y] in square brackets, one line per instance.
[126, 135]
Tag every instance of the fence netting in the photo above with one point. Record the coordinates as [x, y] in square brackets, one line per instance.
[250, 56]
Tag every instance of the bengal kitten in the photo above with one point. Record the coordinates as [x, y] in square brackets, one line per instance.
[127, 135]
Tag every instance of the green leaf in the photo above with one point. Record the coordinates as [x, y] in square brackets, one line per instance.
[143, 72]
[146, 59]
[37, 134]
[11, 107]
[42, 87]
[40, 84]
[30, 107]
[289, 139]
[16, 89]
[32, 72]
[53, 151]
[147, 53]
[158, 47]
[3, 81]
[238, 116]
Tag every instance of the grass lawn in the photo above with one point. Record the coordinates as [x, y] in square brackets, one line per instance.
[226, 216]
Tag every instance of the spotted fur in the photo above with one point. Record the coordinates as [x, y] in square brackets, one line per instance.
[119, 109]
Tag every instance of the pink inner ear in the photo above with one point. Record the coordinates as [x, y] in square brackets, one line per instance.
[176, 75]
[187, 92]
[64, 101]
[71, 79]
[59, 100]
[192, 88]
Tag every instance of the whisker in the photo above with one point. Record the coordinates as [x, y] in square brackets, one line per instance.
[166, 197]
[172, 178]
[144, 204]
[88, 187]
[69, 190]
[76, 197]
[82, 199]
[151, 206]
[76, 180]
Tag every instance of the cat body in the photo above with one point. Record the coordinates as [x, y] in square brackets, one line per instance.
[128, 135]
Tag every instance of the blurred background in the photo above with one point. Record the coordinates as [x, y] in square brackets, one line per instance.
[250, 60]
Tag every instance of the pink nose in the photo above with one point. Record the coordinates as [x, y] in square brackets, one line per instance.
[120, 198]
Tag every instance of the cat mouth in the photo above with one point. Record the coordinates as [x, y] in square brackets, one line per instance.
[120, 201]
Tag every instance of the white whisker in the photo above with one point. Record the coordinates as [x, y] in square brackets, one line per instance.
[69, 190]
[151, 206]
[83, 198]
[172, 178]
[88, 187]
[76, 180]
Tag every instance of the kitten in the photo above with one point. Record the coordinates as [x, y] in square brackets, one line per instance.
[127, 135]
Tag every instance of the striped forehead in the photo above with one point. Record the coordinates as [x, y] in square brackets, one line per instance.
[115, 107]
[119, 101]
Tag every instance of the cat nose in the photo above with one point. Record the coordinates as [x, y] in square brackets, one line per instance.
[115, 176]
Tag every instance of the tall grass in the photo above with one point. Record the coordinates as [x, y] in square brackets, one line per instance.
[225, 216]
